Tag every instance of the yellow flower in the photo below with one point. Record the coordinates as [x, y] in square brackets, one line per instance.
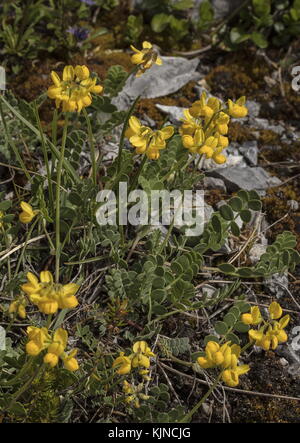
[70, 363]
[27, 213]
[145, 58]
[75, 89]
[205, 108]
[237, 109]
[216, 355]
[275, 310]
[222, 122]
[271, 335]
[123, 363]
[252, 318]
[141, 354]
[127, 387]
[49, 296]
[231, 376]
[190, 124]
[194, 143]
[145, 140]
[19, 307]
[38, 340]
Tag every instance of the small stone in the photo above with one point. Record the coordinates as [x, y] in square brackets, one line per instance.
[175, 113]
[253, 108]
[158, 81]
[249, 150]
[293, 205]
[276, 284]
[283, 362]
[256, 252]
[247, 178]
[214, 183]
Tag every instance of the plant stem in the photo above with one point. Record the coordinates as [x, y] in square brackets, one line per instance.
[121, 144]
[11, 142]
[137, 174]
[44, 148]
[57, 202]
[189, 415]
[92, 145]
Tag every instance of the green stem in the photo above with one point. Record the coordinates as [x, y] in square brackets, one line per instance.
[24, 387]
[189, 415]
[137, 174]
[44, 148]
[57, 202]
[12, 144]
[122, 139]
[28, 236]
[92, 145]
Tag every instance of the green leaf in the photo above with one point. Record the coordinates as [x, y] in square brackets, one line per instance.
[75, 199]
[255, 205]
[4, 205]
[236, 204]
[244, 272]
[226, 212]
[244, 195]
[233, 338]
[235, 229]
[221, 328]
[259, 40]
[216, 224]
[241, 327]
[159, 22]
[237, 36]
[245, 215]
[229, 319]
[227, 268]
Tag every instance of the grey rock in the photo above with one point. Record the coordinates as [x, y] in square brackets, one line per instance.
[159, 81]
[232, 160]
[291, 354]
[247, 178]
[175, 113]
[224, 7]
[264, 123]
[256, 252]
[249, 150]
[293, 204]
[276, 284]
[208, 290]
[253, 108]
[214, 183]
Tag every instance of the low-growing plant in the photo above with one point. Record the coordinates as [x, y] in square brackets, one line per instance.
[75, 293]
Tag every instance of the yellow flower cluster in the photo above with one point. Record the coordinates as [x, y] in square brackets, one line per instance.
[270, 333]
[205, 126]
[18, 307]
[145, 58]
[27, 213]
[145, 140]
[140, 358]
[134, 394]
[75, 89]
[226, 358]
[49, 296]
[39, 339]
